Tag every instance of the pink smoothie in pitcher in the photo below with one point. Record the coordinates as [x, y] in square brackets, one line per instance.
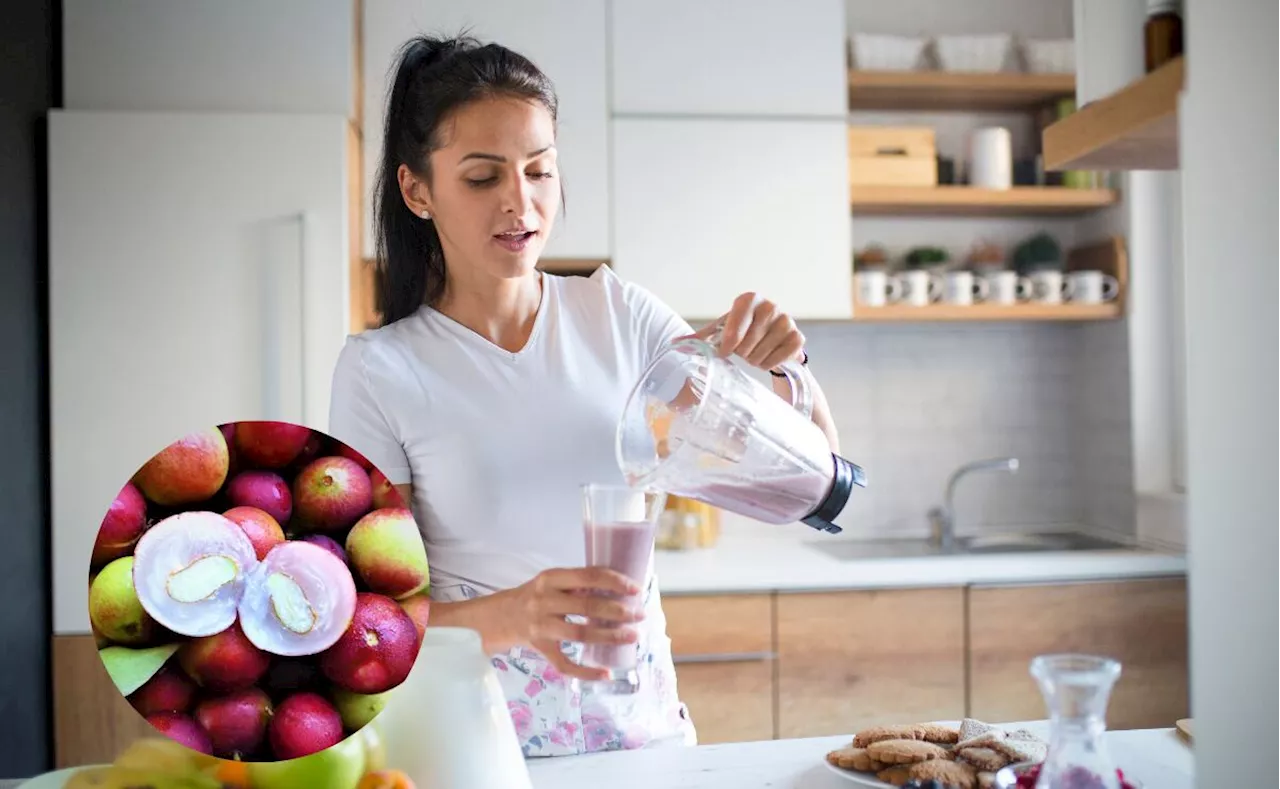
[626, 548]
[777, 500]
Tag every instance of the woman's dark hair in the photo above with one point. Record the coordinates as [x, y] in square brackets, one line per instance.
[434, 77]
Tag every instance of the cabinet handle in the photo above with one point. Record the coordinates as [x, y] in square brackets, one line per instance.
[725, 657]
[284, 278]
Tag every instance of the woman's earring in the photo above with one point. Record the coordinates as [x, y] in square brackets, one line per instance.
[426, 214]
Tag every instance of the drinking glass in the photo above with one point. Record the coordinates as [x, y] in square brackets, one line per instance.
[620, 523]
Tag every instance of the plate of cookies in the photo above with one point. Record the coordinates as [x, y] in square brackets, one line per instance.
[933, 755]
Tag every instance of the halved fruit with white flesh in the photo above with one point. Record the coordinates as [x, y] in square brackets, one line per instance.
[298, 601]
[189, 571]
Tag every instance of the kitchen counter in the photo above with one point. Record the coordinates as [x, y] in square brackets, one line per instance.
[753, 557]
[1156, 757]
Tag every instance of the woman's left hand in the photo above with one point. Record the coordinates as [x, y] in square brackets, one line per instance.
[757, 331]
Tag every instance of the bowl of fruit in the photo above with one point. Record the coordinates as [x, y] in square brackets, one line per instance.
[358, 762]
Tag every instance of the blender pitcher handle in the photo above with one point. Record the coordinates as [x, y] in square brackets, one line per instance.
[801, 382]
[798, 377]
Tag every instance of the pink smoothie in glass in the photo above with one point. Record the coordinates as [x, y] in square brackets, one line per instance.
[625, 548]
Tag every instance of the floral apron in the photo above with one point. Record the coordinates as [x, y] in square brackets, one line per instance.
[555, 716]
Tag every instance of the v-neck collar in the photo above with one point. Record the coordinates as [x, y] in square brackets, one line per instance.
[467, 334]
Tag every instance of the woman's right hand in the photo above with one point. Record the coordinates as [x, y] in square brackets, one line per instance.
[539, 608]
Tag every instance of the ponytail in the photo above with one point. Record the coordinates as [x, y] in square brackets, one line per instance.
[433, 78]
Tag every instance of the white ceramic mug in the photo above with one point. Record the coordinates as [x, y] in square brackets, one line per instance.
[1093, 287]
[919, 287]
[876, 288]
[1006, 287]
[991, 158]
[1050, 287]
[962, 287]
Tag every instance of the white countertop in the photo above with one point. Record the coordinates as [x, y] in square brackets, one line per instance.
[1156, 757]
[752, 557]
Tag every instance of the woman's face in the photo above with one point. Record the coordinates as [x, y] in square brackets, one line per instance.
[494, 186]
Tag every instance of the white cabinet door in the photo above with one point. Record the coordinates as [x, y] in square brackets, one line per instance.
[566, 40]
[197, 275]
[228, 55]
[729, 57]
[707, 209]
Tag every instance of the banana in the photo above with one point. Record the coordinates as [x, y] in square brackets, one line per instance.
[117, 777]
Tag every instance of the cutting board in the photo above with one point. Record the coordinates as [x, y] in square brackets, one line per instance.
[1184, 729]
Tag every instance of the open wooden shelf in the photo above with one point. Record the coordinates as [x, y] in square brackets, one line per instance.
[945, 90]
[1135, 128]
[971, 201]
[1108, 255]
[897, 313]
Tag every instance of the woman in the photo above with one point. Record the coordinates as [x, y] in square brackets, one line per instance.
[492, 392]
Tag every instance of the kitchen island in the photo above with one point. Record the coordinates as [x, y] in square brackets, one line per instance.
[1156, 757]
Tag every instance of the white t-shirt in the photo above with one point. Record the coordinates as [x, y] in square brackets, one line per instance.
[496, 443]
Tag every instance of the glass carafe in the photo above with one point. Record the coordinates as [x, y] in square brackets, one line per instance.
[696, 425]
[1076, 689]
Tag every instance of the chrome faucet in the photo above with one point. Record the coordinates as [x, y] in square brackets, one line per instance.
[942, 520]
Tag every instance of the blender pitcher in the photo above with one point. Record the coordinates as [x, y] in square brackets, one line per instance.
[696, 425]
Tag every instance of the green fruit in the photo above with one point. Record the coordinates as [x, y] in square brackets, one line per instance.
[338, 767]
[358, 709]
[131, 668]
[114, 609]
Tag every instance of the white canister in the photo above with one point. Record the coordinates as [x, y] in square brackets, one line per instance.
[991, 158]
[447, 725]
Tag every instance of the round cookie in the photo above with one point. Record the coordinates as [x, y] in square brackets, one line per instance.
[943, 735]
[895, 776]
[851, 758]
[906, 751]
[984, 758]
[951, 774]
[878, 733]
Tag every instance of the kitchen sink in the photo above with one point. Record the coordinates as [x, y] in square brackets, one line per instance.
[1013, 542]
[876, 549]
[1038, 541]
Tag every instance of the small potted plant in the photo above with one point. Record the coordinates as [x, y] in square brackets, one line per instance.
[985, 256]
[924, 257]
[1038, 253]
[871, 257]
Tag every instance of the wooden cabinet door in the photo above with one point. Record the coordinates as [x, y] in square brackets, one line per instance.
[847, 660]
[707, 209]
[723, 649]
[729, 57]
[1141, 623]
[92, 722]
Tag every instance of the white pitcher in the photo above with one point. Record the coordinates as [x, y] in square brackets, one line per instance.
[447, 725]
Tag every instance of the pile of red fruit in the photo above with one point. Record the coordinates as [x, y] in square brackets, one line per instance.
[1073, 778]
[262, 588]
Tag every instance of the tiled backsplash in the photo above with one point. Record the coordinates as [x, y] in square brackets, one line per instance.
[914, 402]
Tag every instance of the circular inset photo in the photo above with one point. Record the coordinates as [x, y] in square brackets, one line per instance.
[257, 589]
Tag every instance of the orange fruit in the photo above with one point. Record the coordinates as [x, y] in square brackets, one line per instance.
[386, 779]
[232, 774]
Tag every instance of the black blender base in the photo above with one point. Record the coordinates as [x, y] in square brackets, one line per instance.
[847, 475]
